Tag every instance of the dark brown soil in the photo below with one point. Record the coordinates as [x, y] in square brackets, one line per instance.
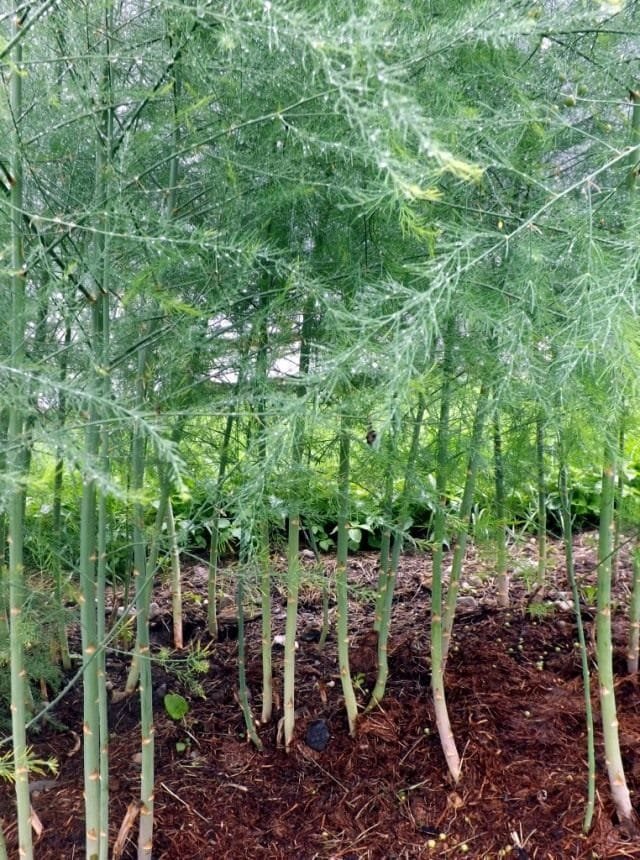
[516, 704]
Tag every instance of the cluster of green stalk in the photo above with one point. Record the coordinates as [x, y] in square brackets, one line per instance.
[400, 468]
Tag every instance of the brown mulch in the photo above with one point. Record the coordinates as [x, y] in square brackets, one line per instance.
[516, 705]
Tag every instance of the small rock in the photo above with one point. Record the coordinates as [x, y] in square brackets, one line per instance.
[311, 633]
[564, 605]
[318, 735]
[278, 642]
[490, 603]
[226, 601]
[131, 612]
[466, 604]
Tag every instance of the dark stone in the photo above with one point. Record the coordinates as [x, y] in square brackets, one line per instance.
[310, 633]
[318, 735]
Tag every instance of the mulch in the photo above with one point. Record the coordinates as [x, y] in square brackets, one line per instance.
[515, 698]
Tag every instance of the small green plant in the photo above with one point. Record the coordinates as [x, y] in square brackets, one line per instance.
[323, 540]
[541, 610]
[359, 681]
[176, 706]
[528, 572]
[35, 765]
[193, 597]
[37, 632]
[188, 669]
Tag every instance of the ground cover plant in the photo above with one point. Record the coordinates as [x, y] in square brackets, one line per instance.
[300, 297]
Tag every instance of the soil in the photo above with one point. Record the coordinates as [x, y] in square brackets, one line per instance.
[517, 710]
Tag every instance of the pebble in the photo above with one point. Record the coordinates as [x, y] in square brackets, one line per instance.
[466, 604]
[318, 735]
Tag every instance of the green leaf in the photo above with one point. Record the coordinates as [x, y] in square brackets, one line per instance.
[176, 706]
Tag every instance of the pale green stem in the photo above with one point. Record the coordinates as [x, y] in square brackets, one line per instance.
[56, 516]
[143, 579]
[3, 845]
[618, 503]
[342, 590]
[176, 585]
[466, 506]
[443, 723]
[604, 646]
[265, 595]
[634, 618]
[212, 590]
[385, 543]
[542, 502]
[567, 534]
[502, 573]
[293, 583]
[15, 465]
[243, 692]
[388, 586]
[88, 624]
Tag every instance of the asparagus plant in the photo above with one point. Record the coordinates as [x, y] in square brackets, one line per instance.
[243, 690]
[502, 573]
[15, 462]
[443, 723]
[633, 649]
[176, 585]
[567, 536]
[143, 579]
[387, 586]
[542, 501]
[293, 584]
[56, 513]
[466, 506]
[342, 591]
[214, 549]
[604, 648]
[385, 540]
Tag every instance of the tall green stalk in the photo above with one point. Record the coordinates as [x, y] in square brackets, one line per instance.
[443, 723]
[15, 462]
[262, 373]
[4, 447]
[154, 547]
[143, 579]
[265, 595]
[633, 649]
[542, 501]
[88, 622]
[500, 507]
[56, 513]
[172, 196]
[293, 584]
[604, 647]
[618, 501]
[466, 506]
[387, 586]
[214, 549]
[567, 535]
[103, 182]
[243, 691]
[342, 591]
[176, 586]
[293, 542]
[385, 541]
[151, 565]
